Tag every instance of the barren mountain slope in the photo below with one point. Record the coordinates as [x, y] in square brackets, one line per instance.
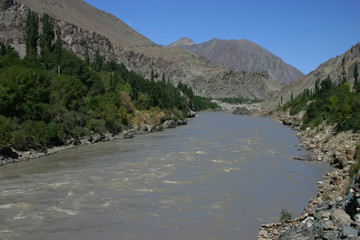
[331, 68]
[243, 55]
[81, 24]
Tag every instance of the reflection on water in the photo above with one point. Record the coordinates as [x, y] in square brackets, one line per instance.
[220, 177]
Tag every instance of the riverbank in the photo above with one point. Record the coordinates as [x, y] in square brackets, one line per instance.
[12, 156]
[334, 213]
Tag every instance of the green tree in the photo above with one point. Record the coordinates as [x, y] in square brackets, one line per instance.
[5, 132]
[56, 55]
[343, 73]
[2, 49]
[152, 75]
[87, 58]
[356, 78]
[32, 33]
[47, 35]
[98, 62]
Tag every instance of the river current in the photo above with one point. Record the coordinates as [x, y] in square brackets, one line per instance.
[219, 177]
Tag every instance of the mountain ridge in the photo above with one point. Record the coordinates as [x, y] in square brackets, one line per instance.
[182, 42]
[243, 55]
[331, 68]
[117, 41]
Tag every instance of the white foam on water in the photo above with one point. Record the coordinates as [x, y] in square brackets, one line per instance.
[219, 161]
[107, 204]
[216, 207]
[168, 165]
[200, 152]
[20, 216]
[15, 205]
[145, 190]
[231, 169]
[154, 214]
[59, 184]
[12, 192]
[6, 206]
[175, 182]
[68, 212]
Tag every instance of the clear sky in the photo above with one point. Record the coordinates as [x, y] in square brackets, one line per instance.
[304, 33]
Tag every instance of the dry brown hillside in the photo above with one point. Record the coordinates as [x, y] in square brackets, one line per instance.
[81, 24]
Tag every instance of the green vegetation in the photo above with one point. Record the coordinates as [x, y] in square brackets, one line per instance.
[199, 103]
[238, 100]
[285, 215]
[49, 98]
[335, 104]
[354, 169]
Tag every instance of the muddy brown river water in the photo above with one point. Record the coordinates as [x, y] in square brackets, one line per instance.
[219, 177]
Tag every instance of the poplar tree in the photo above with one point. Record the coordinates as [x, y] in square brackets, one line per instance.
[32, 33]
[152, 75]
[356, 78]
[98, 61]
[47, 35]
[87, 58]
[344, 80]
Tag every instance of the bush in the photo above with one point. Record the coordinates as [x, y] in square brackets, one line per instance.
[354, 169]
[31, 135]
[5, 133]
[285, 215]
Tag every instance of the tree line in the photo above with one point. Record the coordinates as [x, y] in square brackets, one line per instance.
[336, 103]
[52, 96]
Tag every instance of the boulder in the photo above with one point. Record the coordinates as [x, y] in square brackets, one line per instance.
[339, 217]
[169, 124]
[348, 231]
[242, 111]
[5, 4]
[322, 214]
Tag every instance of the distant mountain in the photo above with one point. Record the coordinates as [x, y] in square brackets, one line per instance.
[242, 55]
[81, 25]
[182, 42]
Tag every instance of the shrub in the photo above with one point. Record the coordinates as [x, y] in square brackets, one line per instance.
[5, 134]
[354, 169]
[285, 215]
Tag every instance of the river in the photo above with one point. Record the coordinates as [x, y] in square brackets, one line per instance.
[219, 177]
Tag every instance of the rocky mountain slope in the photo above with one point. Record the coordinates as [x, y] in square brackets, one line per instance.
[182, 42]
[332, 68]
[242, 55]
[81, 25]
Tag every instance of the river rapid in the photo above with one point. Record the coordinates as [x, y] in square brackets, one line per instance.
[219, 177]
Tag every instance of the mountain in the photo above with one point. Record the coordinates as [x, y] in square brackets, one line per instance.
[242, 55]
[182, 42]
[80, 24]
[332, 68]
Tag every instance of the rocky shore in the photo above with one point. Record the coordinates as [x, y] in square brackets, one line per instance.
[335, 212]
[13, 156]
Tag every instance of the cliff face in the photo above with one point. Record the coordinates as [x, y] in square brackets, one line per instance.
[242, 55]
[80, 25]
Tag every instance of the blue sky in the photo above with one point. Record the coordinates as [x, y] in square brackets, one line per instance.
[304, 33]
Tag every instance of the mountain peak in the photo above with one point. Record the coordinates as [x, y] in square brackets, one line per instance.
[245, 55]
[182, 42]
